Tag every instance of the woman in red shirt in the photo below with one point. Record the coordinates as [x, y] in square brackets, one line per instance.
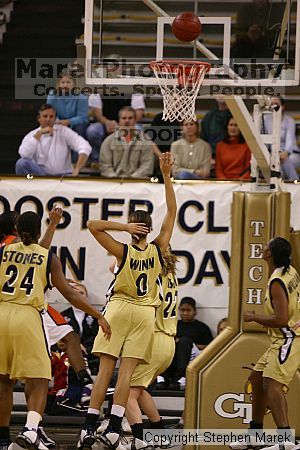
[232, 154]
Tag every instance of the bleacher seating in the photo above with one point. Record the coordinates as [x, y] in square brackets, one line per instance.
[129, 28]
[169, 404]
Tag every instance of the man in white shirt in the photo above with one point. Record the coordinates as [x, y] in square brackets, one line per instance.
[106, 117]
[47, 149]
[289, 151]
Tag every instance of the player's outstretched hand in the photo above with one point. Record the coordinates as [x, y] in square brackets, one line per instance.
[55, 214]
[165, 163]
[105, 327]
[137, 228]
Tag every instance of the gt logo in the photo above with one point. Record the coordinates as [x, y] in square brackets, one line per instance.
[238, 409]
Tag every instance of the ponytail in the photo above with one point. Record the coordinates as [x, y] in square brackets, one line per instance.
[169, 262]
[26, 238]
[286, 265]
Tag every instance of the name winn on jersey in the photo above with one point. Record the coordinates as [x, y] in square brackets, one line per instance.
[135, 279]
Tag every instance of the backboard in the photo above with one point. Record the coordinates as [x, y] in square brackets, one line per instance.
[251, 44]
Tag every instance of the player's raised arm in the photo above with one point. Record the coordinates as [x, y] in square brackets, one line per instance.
[163, 239]
[54, 218]
[74, 297]
[99, 229]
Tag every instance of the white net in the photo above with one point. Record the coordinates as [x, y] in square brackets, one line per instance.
[179, 83]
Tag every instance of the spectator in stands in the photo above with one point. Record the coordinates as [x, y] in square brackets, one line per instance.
[192, 337]
[233, 155]
[105, 116]
[47, 149]
[71, 109]
[192, 155]
[289, 150]
[65, 397]
[213, 126]
[84, 325]
[126, 153]
[222, 324]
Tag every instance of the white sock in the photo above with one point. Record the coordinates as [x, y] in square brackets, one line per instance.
[160, 379]
[93, 411]
[118, 410]
[33, 420]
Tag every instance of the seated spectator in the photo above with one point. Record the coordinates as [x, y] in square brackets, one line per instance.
[289, 150]
[105, 116]
[85, 326]
[192, 337]
[191, 154]
[66, 396]
[71, 109]
[47, 149]
[233, 155]
[222, 324]
[213, 126]
[126, 153]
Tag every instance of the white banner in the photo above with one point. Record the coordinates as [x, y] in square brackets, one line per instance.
[201, 235]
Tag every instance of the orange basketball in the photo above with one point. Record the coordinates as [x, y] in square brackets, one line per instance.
[186, 26]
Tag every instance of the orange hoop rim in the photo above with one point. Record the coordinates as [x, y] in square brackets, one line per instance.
[172, 64]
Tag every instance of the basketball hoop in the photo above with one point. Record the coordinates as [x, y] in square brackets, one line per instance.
[179, 83]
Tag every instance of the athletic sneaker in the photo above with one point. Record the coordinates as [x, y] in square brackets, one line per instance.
[28, 439]
[105, 423]
[4, 444]
[48, 442]
[250, 442]
[15, 446]
[125, 426]
[283, 446]
[138, 444]
[87, 438]
[111, 439]
[166, 444]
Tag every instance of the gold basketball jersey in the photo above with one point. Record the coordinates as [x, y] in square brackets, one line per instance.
[135, 279]
[290, 282]
[24, 274]
[167, 313]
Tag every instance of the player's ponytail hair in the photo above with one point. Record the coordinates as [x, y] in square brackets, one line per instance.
[29, 227]
[8, 222]
[170, 261]
[281, 251]
[141, 216]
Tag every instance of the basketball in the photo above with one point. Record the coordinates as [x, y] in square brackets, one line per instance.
[186, 26]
